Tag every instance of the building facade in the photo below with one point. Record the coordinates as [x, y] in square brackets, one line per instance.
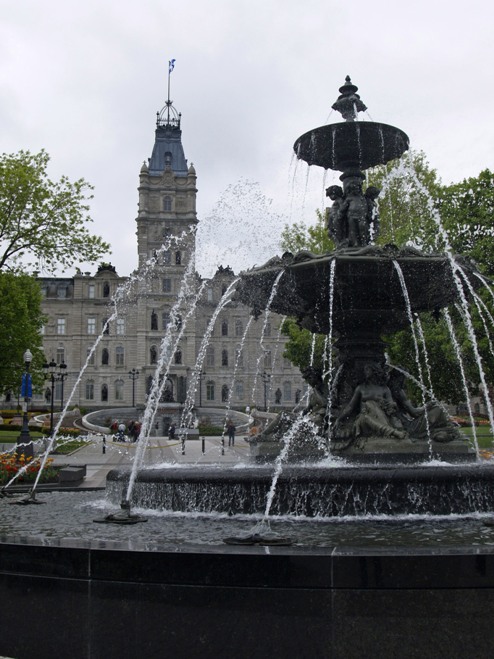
[163, 318]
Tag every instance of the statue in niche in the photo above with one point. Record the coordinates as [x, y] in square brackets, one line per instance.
[372, 408]
[277, 396]
[353, 213]
[421, 422]
[167, 396]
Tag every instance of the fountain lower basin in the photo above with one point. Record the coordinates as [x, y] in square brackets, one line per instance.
[92, 590]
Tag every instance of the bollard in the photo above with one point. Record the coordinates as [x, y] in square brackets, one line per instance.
[104, 445]
[223, 445]
[203, 445]
[183, 444]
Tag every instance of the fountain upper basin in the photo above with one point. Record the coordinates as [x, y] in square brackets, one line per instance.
[367, 289]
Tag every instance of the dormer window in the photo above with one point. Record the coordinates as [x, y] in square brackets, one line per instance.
[168, 159]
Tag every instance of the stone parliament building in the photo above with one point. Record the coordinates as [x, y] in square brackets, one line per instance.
[91, 320]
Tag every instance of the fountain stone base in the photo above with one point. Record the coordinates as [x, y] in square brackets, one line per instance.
[368, 450]
[313, 490]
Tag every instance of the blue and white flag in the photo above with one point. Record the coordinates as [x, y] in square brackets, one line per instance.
[171, 65]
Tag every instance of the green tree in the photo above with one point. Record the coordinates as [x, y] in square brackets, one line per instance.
[467, 212]
[302, 346]
[43, 220]
[20, 329]
[314, 238]
[408, 202]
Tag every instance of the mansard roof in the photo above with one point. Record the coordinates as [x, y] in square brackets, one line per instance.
[168, 150]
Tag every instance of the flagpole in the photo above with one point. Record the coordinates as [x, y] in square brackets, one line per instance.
[168, 99]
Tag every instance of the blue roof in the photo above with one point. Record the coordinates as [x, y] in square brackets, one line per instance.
[168, 149]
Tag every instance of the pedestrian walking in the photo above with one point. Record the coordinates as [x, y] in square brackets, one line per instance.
[230, 427]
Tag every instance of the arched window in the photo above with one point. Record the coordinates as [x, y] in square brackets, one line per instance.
[165, 319]
[224, 357]
[167, 257]
[239, 356]
[153, 355]
[178, 258]
[89, 390]
[224, 393]
[105, 326]
[224, 328]
[210, 356]
[154, 320]
[178, 356]
[119, 390]
[239, 327]
[178, 321]
[209, 390]
[167, 203]
[104, 393]
[119, 356]
[105, 357]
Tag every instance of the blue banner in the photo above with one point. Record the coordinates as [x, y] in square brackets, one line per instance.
[26, 386]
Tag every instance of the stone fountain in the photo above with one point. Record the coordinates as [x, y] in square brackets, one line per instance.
[155, 588]
[357, 294]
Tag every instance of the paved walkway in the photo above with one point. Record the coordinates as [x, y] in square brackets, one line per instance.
[159, 450]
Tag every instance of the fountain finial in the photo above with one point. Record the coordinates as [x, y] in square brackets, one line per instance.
[348, 104]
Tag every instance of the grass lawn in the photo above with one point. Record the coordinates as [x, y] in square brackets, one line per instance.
[484, 436]
[10, 436]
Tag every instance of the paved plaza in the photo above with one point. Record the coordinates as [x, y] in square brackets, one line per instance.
[158, 451]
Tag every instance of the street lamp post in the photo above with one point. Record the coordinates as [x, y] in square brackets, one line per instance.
[133, 375]
[201, 375]
[266, 378]
[24, 442]
[54, 375]
[62, 378]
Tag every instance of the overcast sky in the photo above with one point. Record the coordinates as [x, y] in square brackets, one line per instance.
[84, 80]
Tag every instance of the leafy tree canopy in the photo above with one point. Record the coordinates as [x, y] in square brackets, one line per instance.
[20, 329]
[467, 212]
[43, 220]
[314, 238]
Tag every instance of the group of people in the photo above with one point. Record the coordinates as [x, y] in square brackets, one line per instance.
[121, 431]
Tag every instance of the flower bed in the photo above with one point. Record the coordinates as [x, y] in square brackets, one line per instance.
[11, 464]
